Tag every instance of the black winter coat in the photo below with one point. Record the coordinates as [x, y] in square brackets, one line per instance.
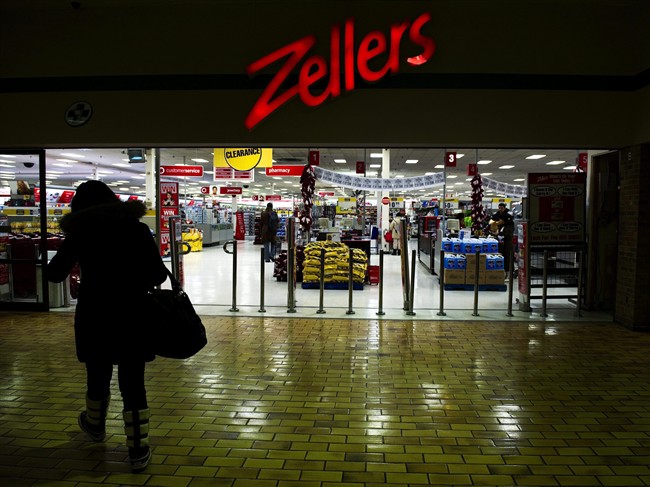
[119, 262]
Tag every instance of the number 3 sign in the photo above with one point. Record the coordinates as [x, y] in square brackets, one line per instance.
[450, 159]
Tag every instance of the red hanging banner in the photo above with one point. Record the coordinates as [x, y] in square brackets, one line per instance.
[472, 169]
[450, 159]
[240, 227]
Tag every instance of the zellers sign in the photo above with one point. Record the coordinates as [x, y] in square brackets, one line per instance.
[315, 68]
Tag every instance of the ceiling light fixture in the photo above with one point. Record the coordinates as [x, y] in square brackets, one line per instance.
[536, 156]
[340, 161]
[555, 163]
[507, 166]
[484, 161]
[411, 161]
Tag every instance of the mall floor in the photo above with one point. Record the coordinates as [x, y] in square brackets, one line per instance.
[322, 401]
[292, 397]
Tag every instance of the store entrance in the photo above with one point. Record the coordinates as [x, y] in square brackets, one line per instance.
[24, 242]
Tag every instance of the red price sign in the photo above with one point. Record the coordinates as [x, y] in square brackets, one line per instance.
[450, 159]
[385, 200]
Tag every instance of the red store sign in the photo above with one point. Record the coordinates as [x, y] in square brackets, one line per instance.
[284, 171]
[229, 190]
[347, 60]
[181, 171]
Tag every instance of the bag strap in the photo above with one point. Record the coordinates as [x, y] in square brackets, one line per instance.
[176, 285]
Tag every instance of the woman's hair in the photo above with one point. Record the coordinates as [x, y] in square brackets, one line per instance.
[92, 193]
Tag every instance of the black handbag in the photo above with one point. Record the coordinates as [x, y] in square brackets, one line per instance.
[176, 330]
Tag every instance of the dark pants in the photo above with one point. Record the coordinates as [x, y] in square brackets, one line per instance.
[130, 377]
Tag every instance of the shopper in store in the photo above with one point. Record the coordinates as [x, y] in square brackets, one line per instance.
[119, 261]
[504, 223]
[395, 228]
[269, 232]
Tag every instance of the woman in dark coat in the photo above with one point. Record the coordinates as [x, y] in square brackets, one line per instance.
[119, 262]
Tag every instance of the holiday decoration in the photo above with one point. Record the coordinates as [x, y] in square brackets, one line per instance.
[478, 212]
[308, 184]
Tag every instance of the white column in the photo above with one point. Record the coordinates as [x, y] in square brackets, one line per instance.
[385, 209]
[150, 180]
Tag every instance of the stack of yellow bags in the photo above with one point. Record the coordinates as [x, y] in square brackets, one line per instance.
[194, 237]
[336, 265]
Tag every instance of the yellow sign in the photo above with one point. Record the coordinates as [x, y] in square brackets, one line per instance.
[243, 159]
[496, 201]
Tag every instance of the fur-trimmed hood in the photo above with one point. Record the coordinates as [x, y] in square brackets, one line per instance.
[104, 215]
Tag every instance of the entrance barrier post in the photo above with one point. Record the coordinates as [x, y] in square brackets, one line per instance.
[350, 282]
[441, 273]
[544, 283]
[511, 268]
[321, 280]
[580, 256]
[410, 311]
[234, 271]
[477, 269]
[262, 310]
[380, 310]
[291, 265]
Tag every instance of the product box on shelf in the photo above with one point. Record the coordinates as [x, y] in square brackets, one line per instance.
[470, 276]
[470, 261]
[471, 246]
[454, 261]
[490, 246]
[496, 276]
[494, 261]
[454, 276]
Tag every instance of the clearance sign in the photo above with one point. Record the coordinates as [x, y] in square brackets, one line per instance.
[243, 159]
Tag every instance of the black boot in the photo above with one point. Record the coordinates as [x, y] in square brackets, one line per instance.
[136, 426]
[93, 420]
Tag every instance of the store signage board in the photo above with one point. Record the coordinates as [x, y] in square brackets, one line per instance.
[314, 158]
[181, 171]
[284, 170]
[341, 77]
[243, 158]
[557, 204]
[230, 190]
[450, 159]
[229, 174]
[273, 197]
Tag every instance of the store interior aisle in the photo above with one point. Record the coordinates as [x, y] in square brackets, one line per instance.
[209, 283]
[321, 402]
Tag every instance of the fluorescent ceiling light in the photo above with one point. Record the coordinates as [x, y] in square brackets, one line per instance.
[458, 156]
[452, 176]
[429, 173]
[376, 155]
[340, 161]
[569, 168]
[8, 155]
[399, 176]
[555, 163]
[70, 154]
[66, 160]
[411, 161]
[484, 161]
[519, 179]
[486, 174]
[536, 156]
[506, 167]
[375, 165]
[200, 160]
[4, 160]
[439, 166]
[7, 165]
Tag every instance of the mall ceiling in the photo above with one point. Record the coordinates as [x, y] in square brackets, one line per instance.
[67, 168]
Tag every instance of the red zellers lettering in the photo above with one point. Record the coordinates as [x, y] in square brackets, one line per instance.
[316, 68]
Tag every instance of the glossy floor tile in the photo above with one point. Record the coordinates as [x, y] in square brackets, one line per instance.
[299, 401]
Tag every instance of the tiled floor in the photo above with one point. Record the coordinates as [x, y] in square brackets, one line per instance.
[297, 401]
